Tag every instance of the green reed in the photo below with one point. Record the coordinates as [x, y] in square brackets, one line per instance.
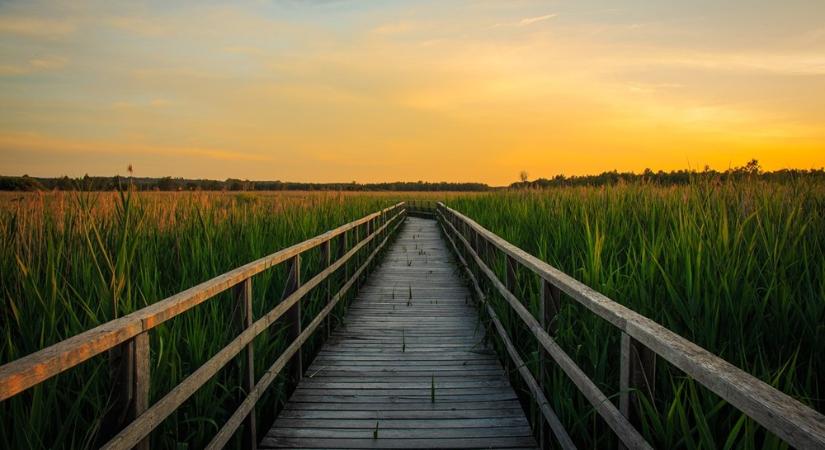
[738, 268]
[69, 262]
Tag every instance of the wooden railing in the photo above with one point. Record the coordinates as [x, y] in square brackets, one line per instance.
[128, 336]
[641, 339]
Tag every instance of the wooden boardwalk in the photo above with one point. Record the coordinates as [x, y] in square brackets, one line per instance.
[408, 369]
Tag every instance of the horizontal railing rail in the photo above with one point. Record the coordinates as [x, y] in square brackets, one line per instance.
[789, 419]
[129, 334]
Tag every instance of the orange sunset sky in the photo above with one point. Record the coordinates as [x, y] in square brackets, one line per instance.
[431, 90]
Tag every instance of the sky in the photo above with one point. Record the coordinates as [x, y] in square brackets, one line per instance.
[363, 90]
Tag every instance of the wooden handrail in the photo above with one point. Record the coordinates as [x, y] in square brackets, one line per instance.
[232, 424]
[789, 419]
[129, 335]
[146, 422]
[25, 372]
[535, 388]
[612, 416]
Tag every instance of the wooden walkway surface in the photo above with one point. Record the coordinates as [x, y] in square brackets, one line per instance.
[408, 369]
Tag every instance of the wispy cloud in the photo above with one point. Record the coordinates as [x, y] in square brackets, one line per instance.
[527, 21]
[532, 20]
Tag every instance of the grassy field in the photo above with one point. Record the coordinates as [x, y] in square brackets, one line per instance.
[738, 268]
[71, 261]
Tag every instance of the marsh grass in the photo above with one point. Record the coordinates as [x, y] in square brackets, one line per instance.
[738, 268]
[69, 262]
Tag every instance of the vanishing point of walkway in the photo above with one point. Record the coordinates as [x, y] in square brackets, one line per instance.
[408, 369]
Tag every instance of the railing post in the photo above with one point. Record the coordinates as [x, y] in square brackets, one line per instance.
[340, 252]
[370, 227]
[637, 369]
[130, 370]
[326, 256]
[293, 317]
[549, 306]
[244, 319]
[382, 223]
[359, 256]
[511, 282]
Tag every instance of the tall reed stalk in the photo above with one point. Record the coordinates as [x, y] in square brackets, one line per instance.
[738, 268]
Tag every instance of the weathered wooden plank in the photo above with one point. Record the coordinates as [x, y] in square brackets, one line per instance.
[414, 365]
[426, 424]
[500, 405]
[405, 414]
[386, 432]
[485, 442]
[403, 372]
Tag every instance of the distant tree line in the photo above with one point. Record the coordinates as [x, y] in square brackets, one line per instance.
[676, 177]
[89, 183]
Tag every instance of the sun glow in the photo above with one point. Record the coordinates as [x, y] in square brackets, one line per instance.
[458, 91]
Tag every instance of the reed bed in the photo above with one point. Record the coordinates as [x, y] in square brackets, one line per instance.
[71, 261]
[738, 268]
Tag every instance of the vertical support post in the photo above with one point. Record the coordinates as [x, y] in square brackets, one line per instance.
[244, 319]
[548, 310]
[142, 379]
[129, 369]
[384, 222]
[359, 257]
[370, 228]
[340, 252]
[343, 243]
[326, 257]
[293, 317]
[637, 369]
[511, 282]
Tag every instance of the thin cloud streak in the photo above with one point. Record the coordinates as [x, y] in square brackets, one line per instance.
[532, 20]
[527, 21]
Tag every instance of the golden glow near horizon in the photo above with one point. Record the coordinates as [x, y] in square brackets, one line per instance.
[382, 91]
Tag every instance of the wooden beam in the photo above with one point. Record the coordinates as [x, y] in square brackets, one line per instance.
[154, 415]
[550, 419]
[792, 421]
[293, 318]
[129, 371]
[628, 435]
[37, 367]
[244, 319]
[549, 303]
[142, 381]
[326, 259]
[225, 433]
